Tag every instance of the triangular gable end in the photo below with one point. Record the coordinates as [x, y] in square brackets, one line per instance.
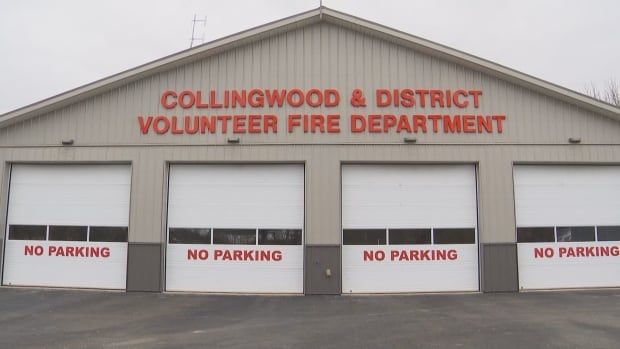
[297, 21]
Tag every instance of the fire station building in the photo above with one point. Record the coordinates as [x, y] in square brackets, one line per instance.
[318, 154]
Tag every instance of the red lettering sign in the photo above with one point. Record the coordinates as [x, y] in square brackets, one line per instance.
[236, 255]
[577, 252]
[431, 102]
[411, 255]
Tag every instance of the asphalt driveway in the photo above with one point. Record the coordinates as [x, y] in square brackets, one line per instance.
[34, 318]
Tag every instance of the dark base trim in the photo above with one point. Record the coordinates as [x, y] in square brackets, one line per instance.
[322, 274]
[499, 271]
[144, 267]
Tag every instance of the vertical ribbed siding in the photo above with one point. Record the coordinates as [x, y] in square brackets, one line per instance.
[495, 198]
[4, 194]
[323, 56]
[323, 224]
[147, 193]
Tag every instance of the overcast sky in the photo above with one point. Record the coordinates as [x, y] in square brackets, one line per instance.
[48, 47]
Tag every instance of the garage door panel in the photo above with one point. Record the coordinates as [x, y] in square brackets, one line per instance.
[376, 196]
[213, 271]
[407, 220]
[403, 273]
[409, 199]
[239, 218]
[567, 195]
[69, 194]
[52, 210]
[566, 216]
[257, 204]
[56, 267]
[256, 197]
[568, 269]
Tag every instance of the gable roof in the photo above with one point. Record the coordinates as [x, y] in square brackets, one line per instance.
[321, 14]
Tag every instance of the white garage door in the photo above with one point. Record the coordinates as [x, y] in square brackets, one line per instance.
[235, 228]
[67, 226]
[409, 228]
[568, 226]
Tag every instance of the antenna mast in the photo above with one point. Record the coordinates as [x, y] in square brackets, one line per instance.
[202, 37]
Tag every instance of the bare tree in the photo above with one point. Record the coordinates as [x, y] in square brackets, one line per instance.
[610, 93]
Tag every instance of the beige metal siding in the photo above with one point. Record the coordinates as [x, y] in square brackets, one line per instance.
[496, 202]
[105, 127]
[4, 193]
[321, 55]
[4, 197]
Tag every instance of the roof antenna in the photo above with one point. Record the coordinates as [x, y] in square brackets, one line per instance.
[202, 37]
